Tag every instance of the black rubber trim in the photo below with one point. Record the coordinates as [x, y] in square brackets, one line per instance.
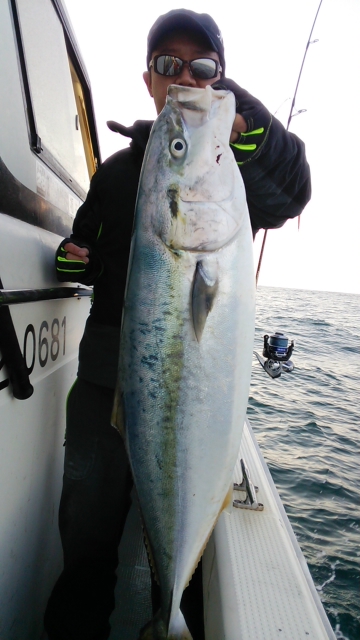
[35, 142]
[19, 202]
[12, 357]
[21, 296]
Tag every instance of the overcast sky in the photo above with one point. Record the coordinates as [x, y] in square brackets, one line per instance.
[264, 45]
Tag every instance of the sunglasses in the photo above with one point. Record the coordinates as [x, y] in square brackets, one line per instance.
[201, 68]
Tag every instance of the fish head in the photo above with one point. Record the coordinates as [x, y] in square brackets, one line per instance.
[192, 173]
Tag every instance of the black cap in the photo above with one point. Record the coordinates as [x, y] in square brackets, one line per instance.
[186, 19]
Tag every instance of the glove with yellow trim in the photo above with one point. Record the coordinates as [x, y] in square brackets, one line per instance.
[258, 120]
[77, 270]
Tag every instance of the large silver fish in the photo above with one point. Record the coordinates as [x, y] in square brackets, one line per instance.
[187, 336]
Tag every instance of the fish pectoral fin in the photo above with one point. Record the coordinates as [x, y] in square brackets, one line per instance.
[205, 286]
[117, 416]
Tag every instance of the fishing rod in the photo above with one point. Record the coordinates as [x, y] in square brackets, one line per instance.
[291, 116]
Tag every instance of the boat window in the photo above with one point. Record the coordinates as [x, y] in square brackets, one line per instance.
[56, 93]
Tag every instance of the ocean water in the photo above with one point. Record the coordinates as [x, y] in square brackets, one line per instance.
[307, 424]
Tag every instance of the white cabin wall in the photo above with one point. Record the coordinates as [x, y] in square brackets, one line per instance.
[32, 431]
[14, 137]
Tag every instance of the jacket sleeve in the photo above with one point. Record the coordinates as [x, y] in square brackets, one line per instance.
[86, 230]
[277, 182]
[272, 163]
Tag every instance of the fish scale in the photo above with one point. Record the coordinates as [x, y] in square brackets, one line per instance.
[187, 336]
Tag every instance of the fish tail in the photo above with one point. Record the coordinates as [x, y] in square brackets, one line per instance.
[178, 629]
[156, 629]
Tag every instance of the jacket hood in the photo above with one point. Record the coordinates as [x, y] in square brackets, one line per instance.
[139, 132]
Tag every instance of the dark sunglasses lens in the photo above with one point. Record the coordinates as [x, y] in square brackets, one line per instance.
[168, 65]
[204, 68]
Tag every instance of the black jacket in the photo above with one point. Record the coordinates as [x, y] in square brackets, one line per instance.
[277, 183]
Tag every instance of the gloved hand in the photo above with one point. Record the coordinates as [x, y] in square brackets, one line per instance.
[257, 118]
[76, 262]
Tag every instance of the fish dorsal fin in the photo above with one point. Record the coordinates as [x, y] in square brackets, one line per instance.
[147, 542]
[205, 286]
[117, 416]
[149, 552]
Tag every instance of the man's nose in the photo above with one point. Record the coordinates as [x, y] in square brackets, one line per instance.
[185, 78]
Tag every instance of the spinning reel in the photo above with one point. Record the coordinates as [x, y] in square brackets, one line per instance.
[277, 352]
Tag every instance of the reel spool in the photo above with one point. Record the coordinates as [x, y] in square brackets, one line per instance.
[276, 347]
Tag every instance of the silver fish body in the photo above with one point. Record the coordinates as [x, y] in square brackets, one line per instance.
[187, 334]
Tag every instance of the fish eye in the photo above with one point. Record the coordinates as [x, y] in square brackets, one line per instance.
[178, 148]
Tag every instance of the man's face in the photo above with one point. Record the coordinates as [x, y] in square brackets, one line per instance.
[186, 46]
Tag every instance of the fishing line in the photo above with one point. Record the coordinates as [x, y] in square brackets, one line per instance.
[291, 116]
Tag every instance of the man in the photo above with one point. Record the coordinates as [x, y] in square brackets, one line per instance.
[183, 48]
